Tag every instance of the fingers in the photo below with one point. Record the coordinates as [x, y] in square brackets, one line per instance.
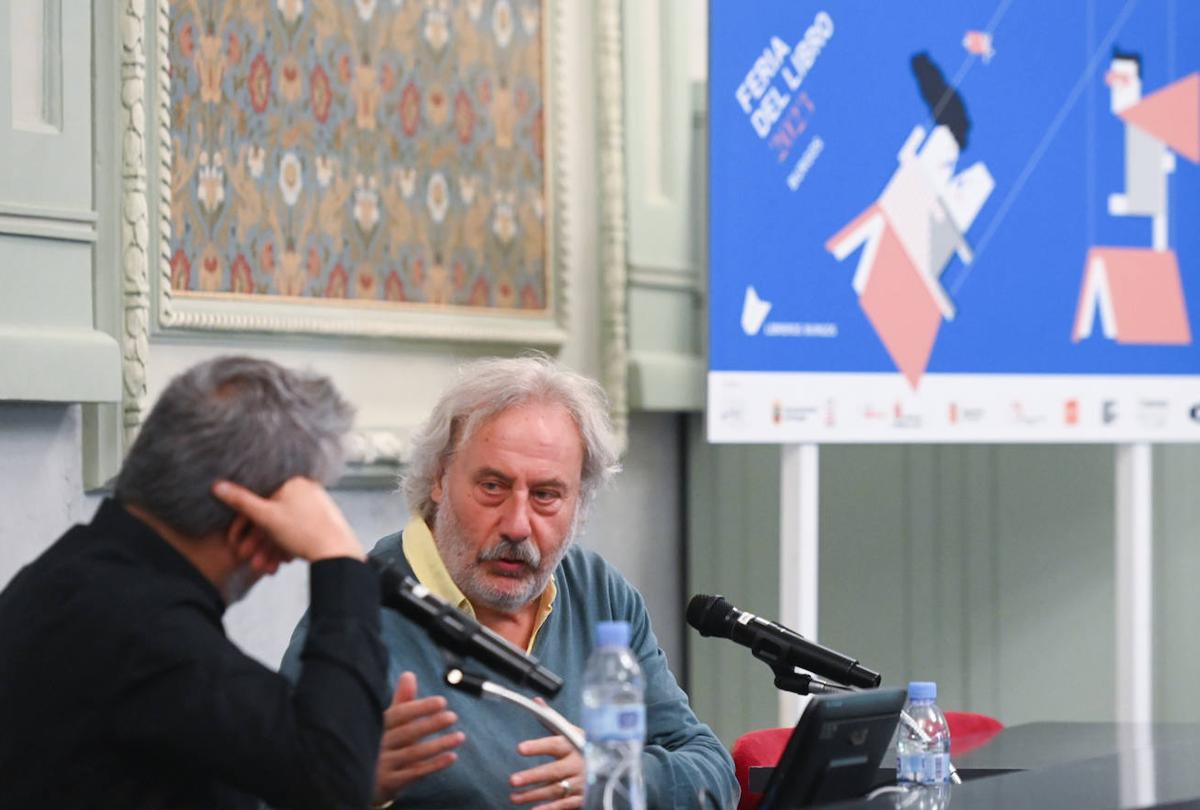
[413, 755]
[242, 501]
[551, 795]
[556, 746]
[543, 783]
[409, 733]
[572, 801]
[408, 751]
[253, 546]
[562, 804]
[399, 714]
[406, 688]
[406, 707]
[300, 517]
[550, 772]
[391, 781]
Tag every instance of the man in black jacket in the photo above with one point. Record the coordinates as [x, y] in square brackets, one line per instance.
[118, 686]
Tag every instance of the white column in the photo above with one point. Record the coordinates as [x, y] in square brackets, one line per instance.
[798, 546]
[1134, 583]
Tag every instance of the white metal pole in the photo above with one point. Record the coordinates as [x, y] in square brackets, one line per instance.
[798, 546]
[1134, 583]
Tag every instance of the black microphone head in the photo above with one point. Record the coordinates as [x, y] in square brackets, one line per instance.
[709, 614]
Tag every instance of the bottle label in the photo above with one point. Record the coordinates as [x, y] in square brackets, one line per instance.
[923, 768]
[610, 723]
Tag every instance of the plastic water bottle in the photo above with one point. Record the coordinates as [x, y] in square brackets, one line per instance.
[923, 761]
[614, 722]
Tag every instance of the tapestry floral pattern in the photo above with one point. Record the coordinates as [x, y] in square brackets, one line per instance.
[370, 150]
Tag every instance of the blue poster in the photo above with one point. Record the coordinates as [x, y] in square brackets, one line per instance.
[954, 220]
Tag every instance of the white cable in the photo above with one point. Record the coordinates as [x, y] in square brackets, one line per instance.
[614, 780]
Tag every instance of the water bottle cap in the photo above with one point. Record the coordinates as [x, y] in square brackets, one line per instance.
[922, 690]
[612, 634]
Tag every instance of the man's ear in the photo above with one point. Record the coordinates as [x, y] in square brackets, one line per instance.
[239, 528]
[436, 492]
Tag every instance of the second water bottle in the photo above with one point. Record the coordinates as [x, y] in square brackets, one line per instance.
[923, 757]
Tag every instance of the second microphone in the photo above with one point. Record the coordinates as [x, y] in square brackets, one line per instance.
[773, 643]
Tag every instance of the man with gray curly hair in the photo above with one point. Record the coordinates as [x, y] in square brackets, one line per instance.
[499, 481]
[119, 688]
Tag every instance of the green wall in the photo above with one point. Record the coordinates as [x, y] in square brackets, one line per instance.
[986, 568]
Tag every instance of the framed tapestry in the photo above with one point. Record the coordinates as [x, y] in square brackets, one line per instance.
[384, 169]
[357, 167]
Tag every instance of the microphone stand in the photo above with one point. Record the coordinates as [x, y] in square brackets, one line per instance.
[477, 686]
[802, 683]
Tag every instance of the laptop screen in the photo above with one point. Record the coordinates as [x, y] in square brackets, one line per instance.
[835, 750]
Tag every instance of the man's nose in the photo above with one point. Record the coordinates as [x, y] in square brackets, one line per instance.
[515, 524]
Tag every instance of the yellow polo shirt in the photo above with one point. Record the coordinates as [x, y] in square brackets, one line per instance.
[422, 554]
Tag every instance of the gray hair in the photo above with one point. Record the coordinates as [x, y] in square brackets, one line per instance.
[241, 419]
[486, 388]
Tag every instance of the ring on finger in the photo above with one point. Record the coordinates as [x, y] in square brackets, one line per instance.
[565, 785]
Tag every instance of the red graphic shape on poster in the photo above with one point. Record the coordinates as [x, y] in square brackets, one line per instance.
[1172, 115]
[900, 307]
[1138, 295]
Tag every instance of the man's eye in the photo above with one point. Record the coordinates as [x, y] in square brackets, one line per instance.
[490, 487]
[545, 495]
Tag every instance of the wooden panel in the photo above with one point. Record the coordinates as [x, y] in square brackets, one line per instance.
[988, 569]
[1054, 518]
[864, 548]
[979, 591]
[733, 531]
[45, 106]
[35, 37]
[665, 173]
[1177, 572]
[658, 122]
[49, 349]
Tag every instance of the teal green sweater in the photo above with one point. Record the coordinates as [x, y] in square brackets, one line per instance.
[681, 757]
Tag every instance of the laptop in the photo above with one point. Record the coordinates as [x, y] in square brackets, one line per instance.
[835, 750]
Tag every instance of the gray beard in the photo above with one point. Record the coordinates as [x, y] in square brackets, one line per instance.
[465, 566]
[240, 581]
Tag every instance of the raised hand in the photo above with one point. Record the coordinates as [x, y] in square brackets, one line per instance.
[299, 517]
[406, 752]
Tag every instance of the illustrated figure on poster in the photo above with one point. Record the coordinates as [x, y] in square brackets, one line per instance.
[910, 234]
[1138, 292]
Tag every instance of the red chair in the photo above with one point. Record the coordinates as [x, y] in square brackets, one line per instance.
[764, 747]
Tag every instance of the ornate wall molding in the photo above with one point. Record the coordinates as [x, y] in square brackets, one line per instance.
[614, 233]
[375, 447]
[559, 228]
[135, 217]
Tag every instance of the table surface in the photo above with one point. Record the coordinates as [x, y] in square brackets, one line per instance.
[1098, 766]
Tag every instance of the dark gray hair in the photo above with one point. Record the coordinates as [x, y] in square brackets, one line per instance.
[486, 388]
[241, 419]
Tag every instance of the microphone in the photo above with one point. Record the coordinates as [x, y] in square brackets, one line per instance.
[459, 633]
[773, 643]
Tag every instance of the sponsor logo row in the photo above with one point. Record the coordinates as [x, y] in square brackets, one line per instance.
[1145, 413]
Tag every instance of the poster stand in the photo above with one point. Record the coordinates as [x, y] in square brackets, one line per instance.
[799, 560]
